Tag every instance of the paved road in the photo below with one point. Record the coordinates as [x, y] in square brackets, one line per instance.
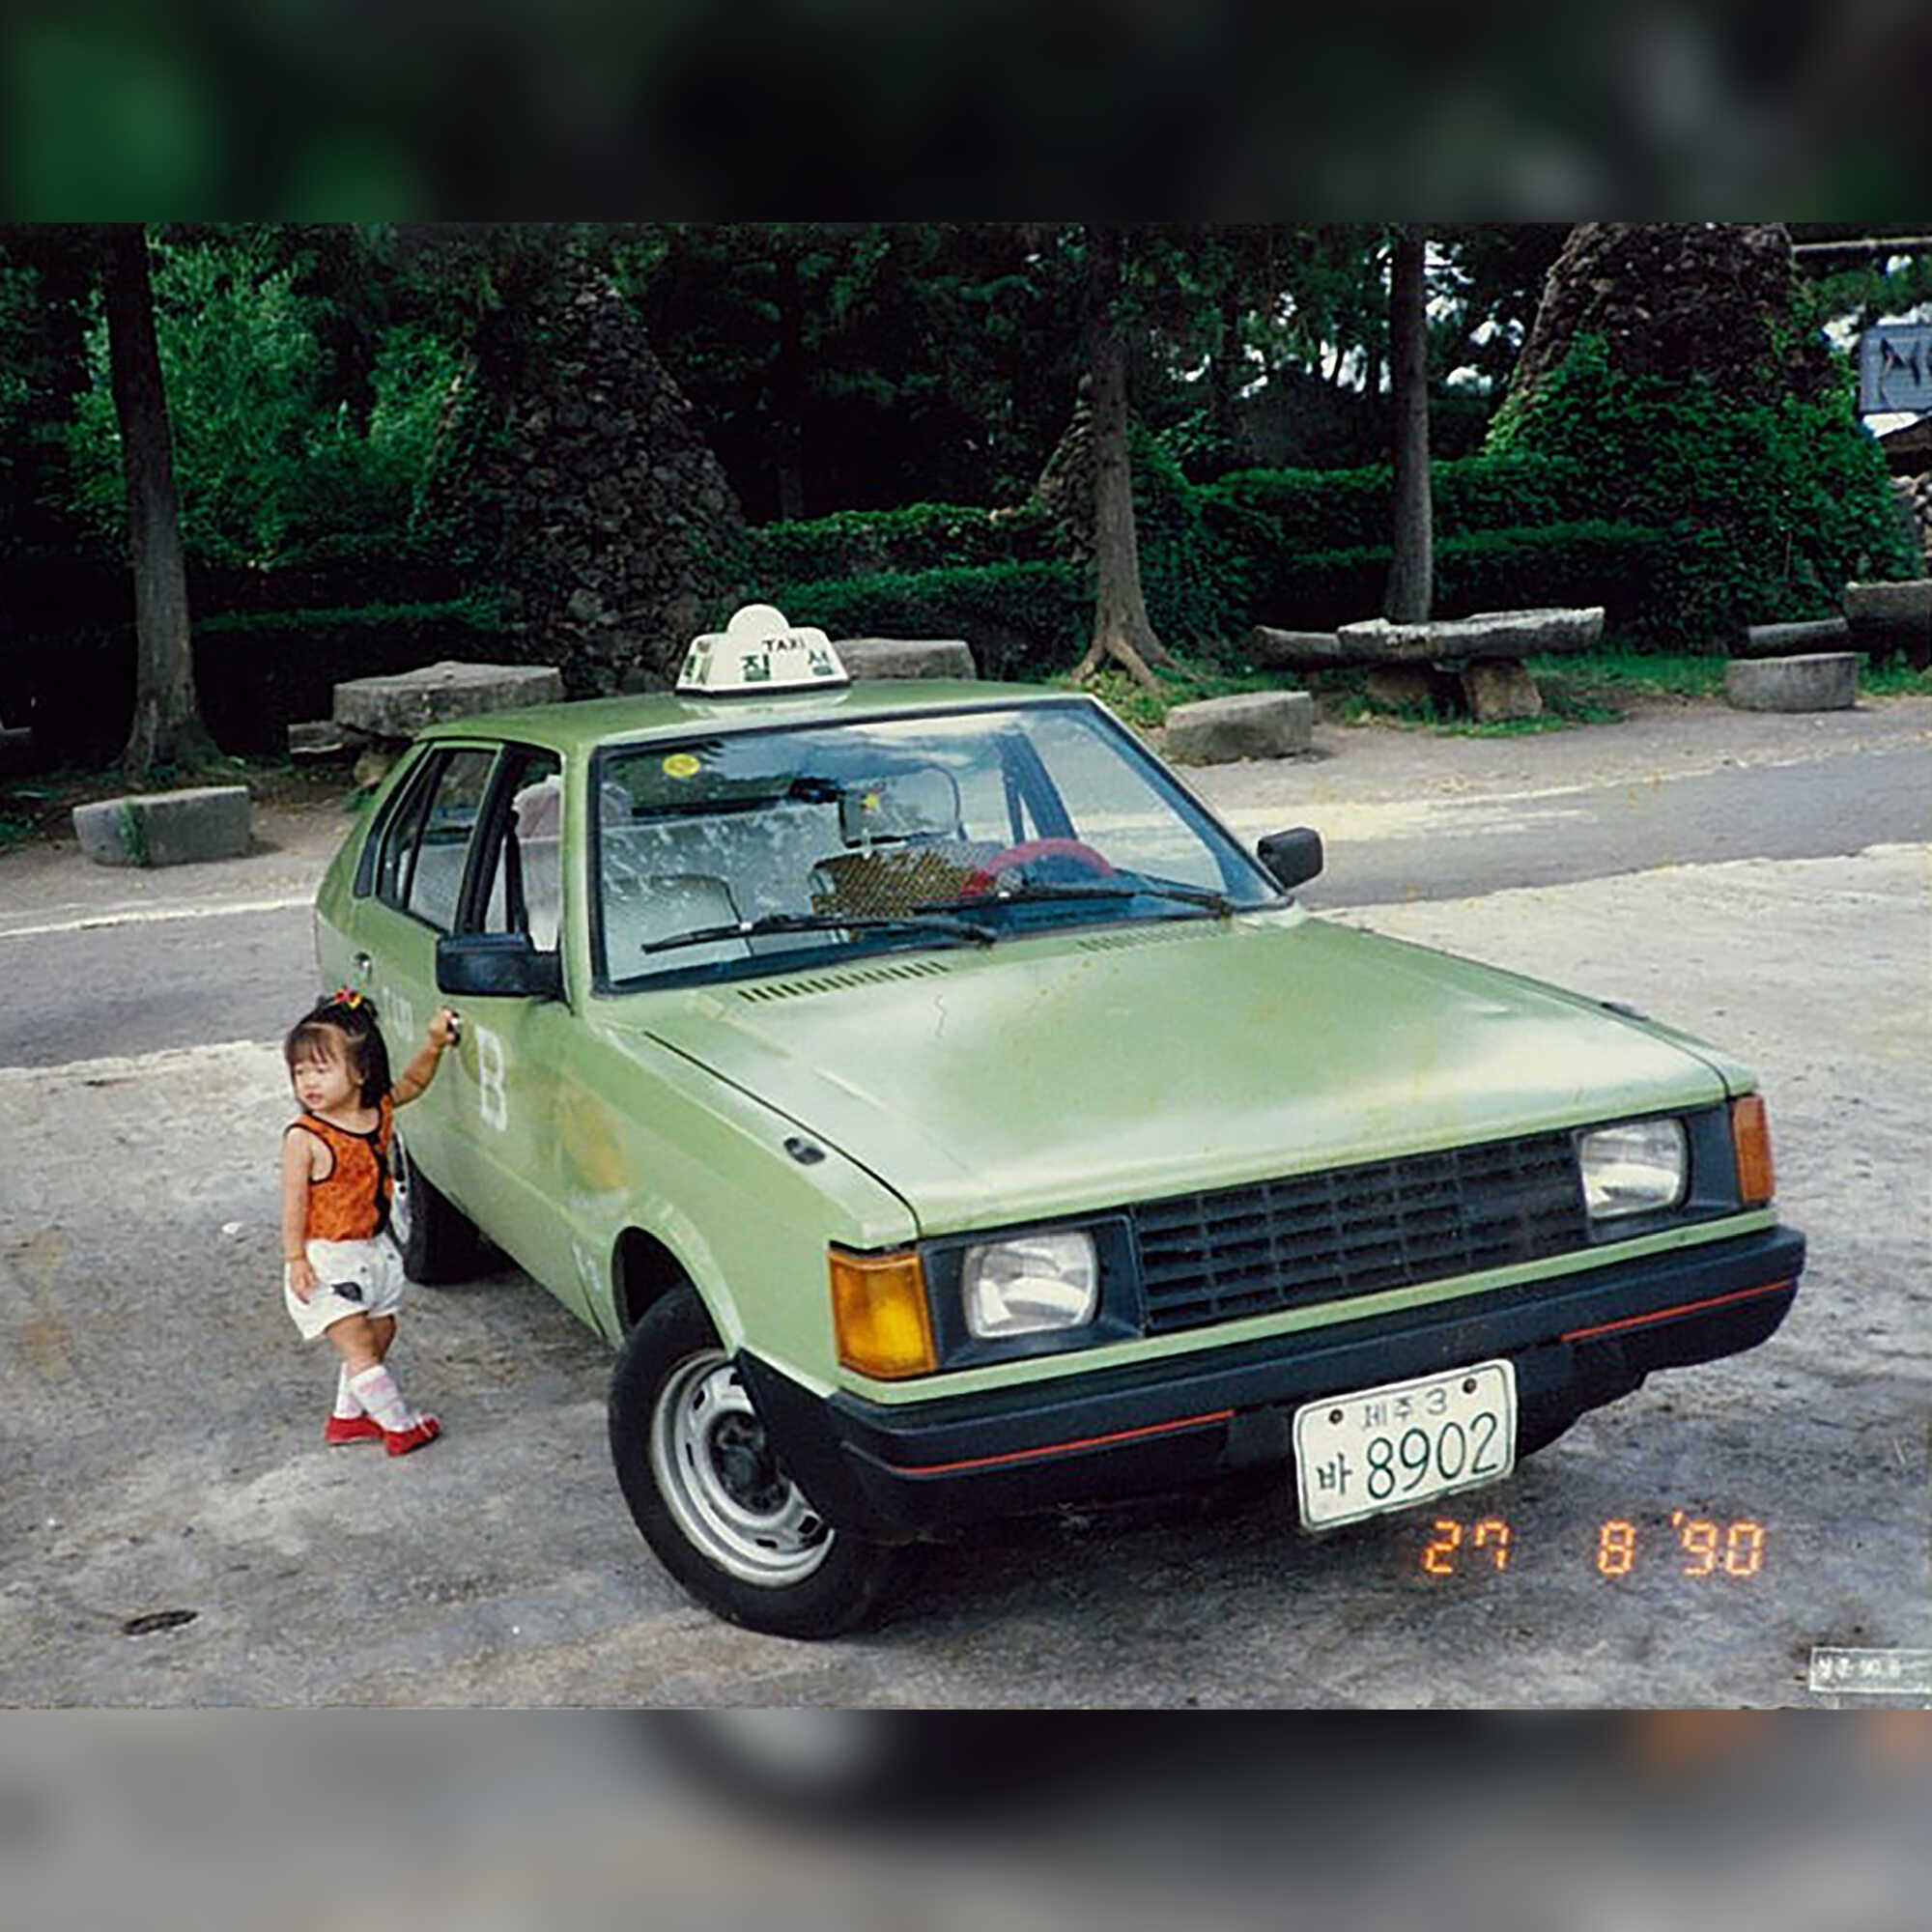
[157, 1423]
[94, 966]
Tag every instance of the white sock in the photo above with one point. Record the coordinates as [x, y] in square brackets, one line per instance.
[377, 1391]
[348, 1404]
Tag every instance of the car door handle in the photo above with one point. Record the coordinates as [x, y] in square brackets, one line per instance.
[364, 964]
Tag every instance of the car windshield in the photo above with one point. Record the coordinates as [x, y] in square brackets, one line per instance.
[723, 855]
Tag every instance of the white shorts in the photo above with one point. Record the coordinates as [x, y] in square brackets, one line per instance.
[351, 1278]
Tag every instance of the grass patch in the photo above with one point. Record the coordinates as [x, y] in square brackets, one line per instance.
[1187, 683]
[1894, 677]
[1608, 673]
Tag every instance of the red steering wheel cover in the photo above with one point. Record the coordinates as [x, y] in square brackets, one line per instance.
[982, 879]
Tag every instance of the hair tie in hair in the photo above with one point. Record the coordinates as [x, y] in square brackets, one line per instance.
[345, 996]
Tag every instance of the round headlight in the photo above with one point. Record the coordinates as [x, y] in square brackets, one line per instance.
[1031, 1285]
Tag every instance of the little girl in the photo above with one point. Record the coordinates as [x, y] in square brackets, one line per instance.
[342, 1276]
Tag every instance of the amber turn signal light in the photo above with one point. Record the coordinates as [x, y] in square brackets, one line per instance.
[1751, 1139]
[880, 1315]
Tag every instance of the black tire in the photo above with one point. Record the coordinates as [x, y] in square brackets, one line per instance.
[439, 1242]
[706, 1489]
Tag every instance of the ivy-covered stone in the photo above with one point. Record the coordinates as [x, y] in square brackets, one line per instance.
[573, 475]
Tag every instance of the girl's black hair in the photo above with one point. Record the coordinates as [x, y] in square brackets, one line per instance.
[353, 1022]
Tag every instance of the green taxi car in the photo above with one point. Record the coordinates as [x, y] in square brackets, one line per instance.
[943, 1116]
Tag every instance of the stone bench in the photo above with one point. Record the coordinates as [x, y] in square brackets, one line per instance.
[165, 828]
[1483, 652]
[906, 657]
[376, 716]
[399, 706]
[1888, 617]
[1251, 724]
[1786, 640]
[1819, 681]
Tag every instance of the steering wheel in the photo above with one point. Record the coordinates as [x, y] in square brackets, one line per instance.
[982, 879]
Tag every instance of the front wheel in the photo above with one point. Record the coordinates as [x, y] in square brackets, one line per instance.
[705, 1486]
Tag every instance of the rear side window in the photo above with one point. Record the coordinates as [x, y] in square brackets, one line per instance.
[425, 846]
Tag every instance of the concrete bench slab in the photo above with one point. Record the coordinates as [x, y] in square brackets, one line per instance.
[399, 705]
[1786, 640]
[906, 657]
[1489, 635]
[165, 828]
[1820, 681]
[1888, 617]
[1252, 725]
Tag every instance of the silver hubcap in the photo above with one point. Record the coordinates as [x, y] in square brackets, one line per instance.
[715, 1470]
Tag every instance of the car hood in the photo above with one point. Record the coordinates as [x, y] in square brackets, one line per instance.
[1075, 1072]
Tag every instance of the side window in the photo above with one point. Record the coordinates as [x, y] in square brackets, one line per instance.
[424, 850]
[525, 872]
[1120, 811]
[402, 832]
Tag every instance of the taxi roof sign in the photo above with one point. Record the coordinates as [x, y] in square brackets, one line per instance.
[758, 651]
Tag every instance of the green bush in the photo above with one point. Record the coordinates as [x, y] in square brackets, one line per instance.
[1339, 509]
[1196, 576]
[918, 537]
[1023, 620]
[1772, 502]
[1684, 515]
[1569, 564]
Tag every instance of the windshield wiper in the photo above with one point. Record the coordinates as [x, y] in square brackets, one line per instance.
[1218, 903]
[964, 930]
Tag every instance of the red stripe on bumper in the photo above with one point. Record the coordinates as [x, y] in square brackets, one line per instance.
[1064, 1448]
[1671, 1314]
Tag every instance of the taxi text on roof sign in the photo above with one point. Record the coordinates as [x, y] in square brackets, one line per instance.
[758, 651]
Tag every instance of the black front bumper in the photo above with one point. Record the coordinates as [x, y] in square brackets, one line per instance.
[1577, 1341]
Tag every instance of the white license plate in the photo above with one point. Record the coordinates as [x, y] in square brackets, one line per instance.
[1389, 1448]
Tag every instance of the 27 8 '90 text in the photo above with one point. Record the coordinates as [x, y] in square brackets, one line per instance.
[1709, 1549]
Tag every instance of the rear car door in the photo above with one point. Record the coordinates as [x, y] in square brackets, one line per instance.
[410, 890]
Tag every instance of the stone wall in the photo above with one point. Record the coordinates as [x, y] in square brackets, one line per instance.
[1677, 300]
[1915, 500]
[580, 482]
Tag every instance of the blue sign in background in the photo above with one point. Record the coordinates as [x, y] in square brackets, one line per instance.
[1895, 368]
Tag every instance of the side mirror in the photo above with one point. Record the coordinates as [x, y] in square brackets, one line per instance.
[1292, 857]
[497, 966]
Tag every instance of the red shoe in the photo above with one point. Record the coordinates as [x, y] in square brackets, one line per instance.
[351, 1428]
[400, 1441]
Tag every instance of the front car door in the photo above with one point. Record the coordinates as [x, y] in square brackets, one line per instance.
[505, 1161]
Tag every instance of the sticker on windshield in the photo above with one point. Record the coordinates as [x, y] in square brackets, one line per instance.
[682, 766]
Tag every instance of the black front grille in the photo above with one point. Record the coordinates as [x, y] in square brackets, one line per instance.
[1313, 1238]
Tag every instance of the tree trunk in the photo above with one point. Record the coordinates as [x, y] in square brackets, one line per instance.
[1227, 371]
[1121, 630]
[788, 382]
[167, 728]
[1411, 571]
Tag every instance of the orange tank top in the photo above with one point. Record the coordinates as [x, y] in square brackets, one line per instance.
[353, 1201]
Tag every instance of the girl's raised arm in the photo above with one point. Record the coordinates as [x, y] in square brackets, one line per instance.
[443, 1032]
